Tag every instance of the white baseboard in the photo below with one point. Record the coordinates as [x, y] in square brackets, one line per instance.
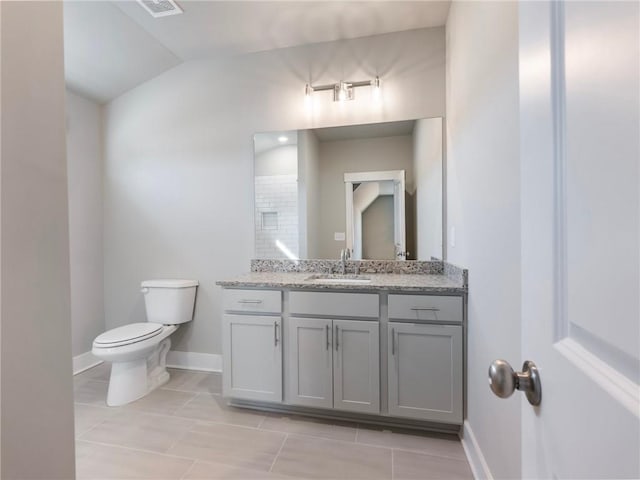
[479, 466]
[84, 361]
[208, 362]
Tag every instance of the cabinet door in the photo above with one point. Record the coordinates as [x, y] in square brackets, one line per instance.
[309, 357]
[356, 366]
[425, 371]
[252, 357]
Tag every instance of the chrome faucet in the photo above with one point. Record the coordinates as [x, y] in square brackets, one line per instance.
[345, 254]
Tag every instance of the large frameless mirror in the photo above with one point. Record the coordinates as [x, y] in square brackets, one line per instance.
[375, 189]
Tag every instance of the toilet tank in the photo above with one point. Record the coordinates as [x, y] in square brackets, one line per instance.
[169, 302]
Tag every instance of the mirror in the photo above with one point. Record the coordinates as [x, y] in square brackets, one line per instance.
[375, 189]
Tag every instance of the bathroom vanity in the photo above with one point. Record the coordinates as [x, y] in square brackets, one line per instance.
[378, 347]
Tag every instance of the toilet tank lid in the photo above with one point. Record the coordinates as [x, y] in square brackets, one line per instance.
[169, 283]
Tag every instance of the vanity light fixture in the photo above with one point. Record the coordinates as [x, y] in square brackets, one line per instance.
[343, 91]
[282, 139]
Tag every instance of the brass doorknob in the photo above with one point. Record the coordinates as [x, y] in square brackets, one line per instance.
[504, 381]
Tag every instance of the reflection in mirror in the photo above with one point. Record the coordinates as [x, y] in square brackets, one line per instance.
[302, 191]
[376, 215]
[276, 195]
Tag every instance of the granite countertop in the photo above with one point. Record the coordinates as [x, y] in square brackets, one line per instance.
[426, 283]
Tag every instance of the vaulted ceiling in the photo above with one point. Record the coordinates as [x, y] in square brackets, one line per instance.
[113, 46]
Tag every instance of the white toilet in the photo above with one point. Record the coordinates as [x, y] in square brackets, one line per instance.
[138, 351]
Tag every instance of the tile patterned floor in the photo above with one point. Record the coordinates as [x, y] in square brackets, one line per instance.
[186, 431]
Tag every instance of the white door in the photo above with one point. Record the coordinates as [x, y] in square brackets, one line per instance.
[252, 357]
[580, 125]
[425, 371]
[356, 366]
[309, 360]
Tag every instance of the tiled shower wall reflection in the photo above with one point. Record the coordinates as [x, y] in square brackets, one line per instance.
[276, 215]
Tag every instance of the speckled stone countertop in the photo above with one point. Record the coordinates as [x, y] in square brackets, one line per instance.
[425, 283]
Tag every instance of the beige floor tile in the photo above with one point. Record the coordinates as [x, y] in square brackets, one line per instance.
[95, 461]
[310, 426]
[161, 401]
[212, 383]
[309, 457]
[231, 445]
[428, 443]
[79, 380]
[213, 408]
[140, 430]
[88, 416]
[90, 392]
[206, 471]
[411, 465]
[190, 381]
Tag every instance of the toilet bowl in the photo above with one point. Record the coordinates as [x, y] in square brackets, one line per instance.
[138, 351]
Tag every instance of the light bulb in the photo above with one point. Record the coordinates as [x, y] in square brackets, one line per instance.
[375, 89]
[308, 98]
[342, 93]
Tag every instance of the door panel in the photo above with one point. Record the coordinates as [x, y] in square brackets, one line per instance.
[579, 87]
[252, 357]
[309, 360]
[356, 366]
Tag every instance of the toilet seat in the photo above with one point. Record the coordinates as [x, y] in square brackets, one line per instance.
[127, 334]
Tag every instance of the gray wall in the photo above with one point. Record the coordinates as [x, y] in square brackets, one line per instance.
[179, 157]
[36, 392]
[308, 193]
[84, 168]
[483, 182]
[377, 229]
[357, 155]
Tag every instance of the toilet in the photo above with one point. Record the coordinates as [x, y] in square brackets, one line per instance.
[138, 351]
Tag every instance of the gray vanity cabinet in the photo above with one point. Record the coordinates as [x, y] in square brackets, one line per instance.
[309, 360]
[322, 349]
[252, 344]
[333, 364]
[356, 366]
[425, 371]
[252, 357]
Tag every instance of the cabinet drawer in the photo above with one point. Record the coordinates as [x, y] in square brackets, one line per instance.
[334, 304]
[425, 308]
[262, 301]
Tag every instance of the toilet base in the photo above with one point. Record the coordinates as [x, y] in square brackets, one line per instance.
[134, 379]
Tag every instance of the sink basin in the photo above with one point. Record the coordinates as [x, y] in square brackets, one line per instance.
[339, 279]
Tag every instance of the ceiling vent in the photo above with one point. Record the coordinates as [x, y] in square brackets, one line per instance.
[161, 8]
